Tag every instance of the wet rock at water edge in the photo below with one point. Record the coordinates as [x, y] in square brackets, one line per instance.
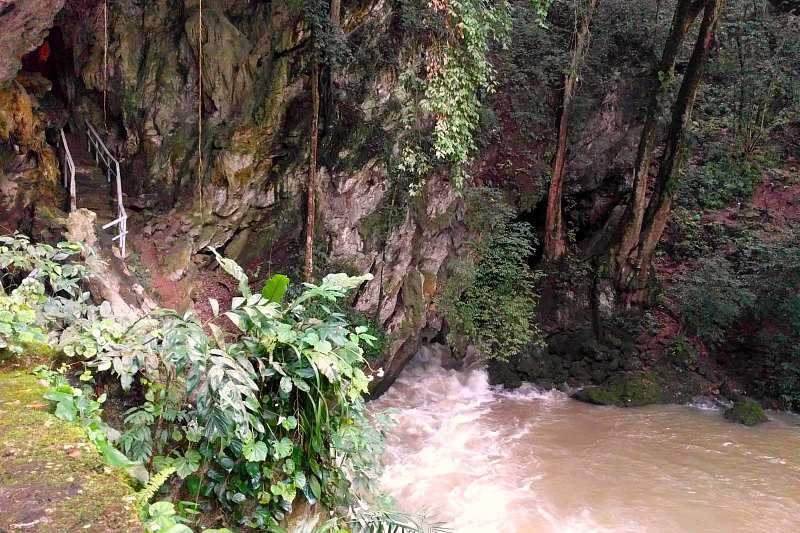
[746, 411]
[503, 373]
[624, 391]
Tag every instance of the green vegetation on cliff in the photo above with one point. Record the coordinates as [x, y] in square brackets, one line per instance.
[490, 298]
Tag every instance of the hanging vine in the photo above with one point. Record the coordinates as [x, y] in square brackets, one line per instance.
[457, 36]
[105, 62]
[200, 107]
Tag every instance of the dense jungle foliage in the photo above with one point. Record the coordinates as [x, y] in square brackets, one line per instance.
[252, 409]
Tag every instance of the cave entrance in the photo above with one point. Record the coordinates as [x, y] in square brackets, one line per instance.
[52, 60]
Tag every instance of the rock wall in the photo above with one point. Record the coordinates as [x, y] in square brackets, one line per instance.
[244, 198]
[24, 24]
[29, 169]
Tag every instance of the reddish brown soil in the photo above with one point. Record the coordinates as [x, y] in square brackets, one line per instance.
[168, 293]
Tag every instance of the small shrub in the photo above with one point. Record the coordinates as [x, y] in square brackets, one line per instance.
[683, 353]
[496, 311]
[711, 299]
[719, 182]
[33, 278]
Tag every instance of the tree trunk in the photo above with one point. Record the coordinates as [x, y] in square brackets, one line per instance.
[658, 209]
[631, 225]
[308, 273]
[554, 242]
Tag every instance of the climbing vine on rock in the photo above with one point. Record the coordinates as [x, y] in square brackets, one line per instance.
[457, 73]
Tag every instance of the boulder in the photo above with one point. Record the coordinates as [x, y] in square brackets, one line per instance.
[634, 390]
[746, 411]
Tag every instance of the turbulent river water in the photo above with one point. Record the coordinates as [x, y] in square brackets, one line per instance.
[486, 460]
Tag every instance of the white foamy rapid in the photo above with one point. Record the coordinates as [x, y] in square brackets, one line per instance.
[487, 460]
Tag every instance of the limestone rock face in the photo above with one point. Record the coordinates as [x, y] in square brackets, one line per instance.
[23, 26]
[414, 256]
[29, 173]
[248, 192]
[217, 175]
[236, 179]
[80, 227]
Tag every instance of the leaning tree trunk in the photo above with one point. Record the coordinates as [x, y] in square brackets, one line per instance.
[658, 208]
[554, 242]
[631, 224]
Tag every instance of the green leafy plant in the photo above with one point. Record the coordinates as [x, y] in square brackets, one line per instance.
[78, 406]
[458, 72]
[490, 300]
[711, 299]
[252, 410]
[35, 280]
[18, 320]
[720, 182]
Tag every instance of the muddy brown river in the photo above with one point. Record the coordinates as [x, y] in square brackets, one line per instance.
[487, 460]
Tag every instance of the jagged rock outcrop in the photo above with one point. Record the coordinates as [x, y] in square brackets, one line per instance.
[24, 24]
[29, 171]
[108, 281]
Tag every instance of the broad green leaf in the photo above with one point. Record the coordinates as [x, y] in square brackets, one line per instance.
[282, 449]
[255, 451]
[316, 489]
[219, 337]
[113, 456]
[286, 385]
[187, 464]
[289, 423]
[161, 509]
[231, 267]
[236, 319]
[275, 288]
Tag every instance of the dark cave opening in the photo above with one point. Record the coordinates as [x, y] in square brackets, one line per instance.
[51, 60]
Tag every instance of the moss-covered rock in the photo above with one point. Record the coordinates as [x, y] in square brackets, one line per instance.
[52, 479]
[748, 412]
[633, 390]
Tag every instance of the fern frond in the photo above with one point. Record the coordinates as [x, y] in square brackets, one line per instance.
[144, 496]
[390, 521]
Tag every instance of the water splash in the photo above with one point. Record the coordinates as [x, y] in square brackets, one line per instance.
[486, 460]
